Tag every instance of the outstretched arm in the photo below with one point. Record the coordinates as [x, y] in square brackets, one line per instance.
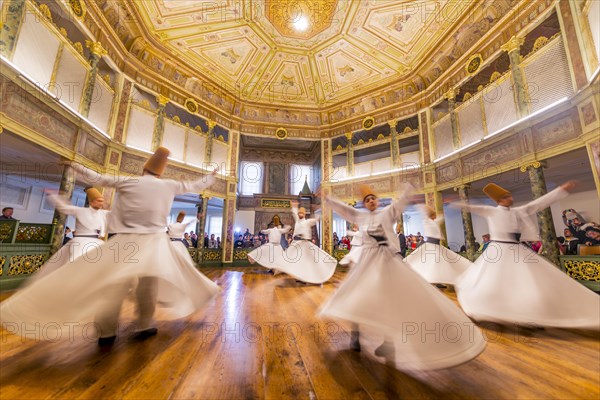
[62, 205]
[198, 185]
[478, 209]
[345, 211]
[94, 178]
[548, 199]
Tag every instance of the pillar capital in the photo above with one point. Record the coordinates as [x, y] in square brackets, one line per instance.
[466, 186]
[451, 94]
[348, 135]
[211, 124]
[392, 123]
[162, 100]
[513, 44]
[533, 164]
[96, 48]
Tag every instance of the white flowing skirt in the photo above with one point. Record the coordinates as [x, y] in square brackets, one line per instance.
[429, 331]
[509, 283]
[307, 263]
[437, 264]
[86, 247]
[268, 255]
[353, 256]
[73, 295]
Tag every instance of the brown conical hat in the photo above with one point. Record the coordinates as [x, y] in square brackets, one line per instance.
[158, 161]
[180, 216]
[92, 193]
[495, 192]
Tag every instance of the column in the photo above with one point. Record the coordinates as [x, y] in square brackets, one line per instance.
[67, 184]
[122, 111]
[97, 51]
[211, 128]
[159, 125]
[435, 201]
[201, 215]
[227, 235]
[450, 95]
[349, 155]
[14, 14]
[512, 47]
[463, 193]
[394, 147]
[327, 222]
[544, 217]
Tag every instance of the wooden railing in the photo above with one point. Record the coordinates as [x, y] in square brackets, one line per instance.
[24, 248]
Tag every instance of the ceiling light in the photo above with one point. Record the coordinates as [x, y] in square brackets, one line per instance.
[301, 24]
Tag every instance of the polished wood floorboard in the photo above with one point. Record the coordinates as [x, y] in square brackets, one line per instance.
[261, 339]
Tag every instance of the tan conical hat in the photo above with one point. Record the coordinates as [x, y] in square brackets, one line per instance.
[92, 193]
[302, 210]
[180, 216]
[430, 212]
[495, 192]
[365, 190]
[158, 161]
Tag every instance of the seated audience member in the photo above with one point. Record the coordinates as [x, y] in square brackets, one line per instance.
[239, 243]
[212, 242]
[561, 244]
[187, 241]
[68, 235]
[7, 213]
[592, 234]
[486, 242]
[574, 221]
[571, 243]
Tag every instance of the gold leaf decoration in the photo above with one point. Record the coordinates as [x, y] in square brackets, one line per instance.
[495, 76]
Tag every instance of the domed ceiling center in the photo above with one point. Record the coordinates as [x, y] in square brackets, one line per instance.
[301, 19]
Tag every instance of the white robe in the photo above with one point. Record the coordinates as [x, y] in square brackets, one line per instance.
[302, 259]
[355, 248]
[83, 291]
[436, 263]
[271, 254]
[176, 230]
[90, 224]
[510, 283]
[381, 292]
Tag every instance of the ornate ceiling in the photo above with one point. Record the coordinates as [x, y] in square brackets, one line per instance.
[307, 53]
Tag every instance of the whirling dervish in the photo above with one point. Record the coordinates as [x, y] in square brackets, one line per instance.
[431, 260]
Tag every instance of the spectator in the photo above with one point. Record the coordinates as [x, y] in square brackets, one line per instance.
[187, 241]
[239, 243]
[463, 249]
[212, 242]
[571, 242]
[561, 245]
[592, 234]
[68, 235]
[574, 221]
[218, 242]
[7, 213]
[206, 240]
[486, 242]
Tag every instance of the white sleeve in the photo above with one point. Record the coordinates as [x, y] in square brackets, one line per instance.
[94, 178]
[481, 210]
[345, 211]
[62, 206]
[195, 186]
[295, 213]
[545, 201]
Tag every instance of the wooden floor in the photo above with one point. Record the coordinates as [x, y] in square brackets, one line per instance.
[261, 339]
